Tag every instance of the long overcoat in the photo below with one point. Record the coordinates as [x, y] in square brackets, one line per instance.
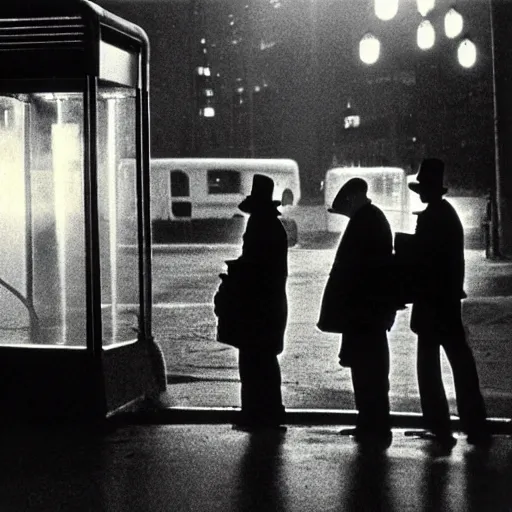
[255, 314]
[438, 269]
[357, 297]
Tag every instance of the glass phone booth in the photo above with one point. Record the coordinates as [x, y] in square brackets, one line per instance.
[75, 266]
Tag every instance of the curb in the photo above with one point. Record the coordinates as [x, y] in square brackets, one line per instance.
[303, 417]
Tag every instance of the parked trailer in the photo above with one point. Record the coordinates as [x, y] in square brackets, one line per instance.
[198, 198]
[387, 188]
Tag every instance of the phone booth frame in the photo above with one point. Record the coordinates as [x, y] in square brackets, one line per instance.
[75, 47]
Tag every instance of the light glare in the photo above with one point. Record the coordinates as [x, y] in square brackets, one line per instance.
[386, 9]
[453, 23]
[425, 6]
[369, 49]
[209, 112]
[426, 35]
[466, 53]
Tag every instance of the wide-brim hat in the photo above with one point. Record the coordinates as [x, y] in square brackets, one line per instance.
[260, 196]
[430, 177]
[351, 187]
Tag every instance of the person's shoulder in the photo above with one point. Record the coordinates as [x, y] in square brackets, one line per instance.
[374, 209]
[377, 214]
[447, 210]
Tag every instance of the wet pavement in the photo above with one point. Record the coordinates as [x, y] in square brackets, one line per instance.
[211, 468]
[203, 372]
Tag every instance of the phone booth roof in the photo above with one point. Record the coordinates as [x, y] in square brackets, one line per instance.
[67, 40]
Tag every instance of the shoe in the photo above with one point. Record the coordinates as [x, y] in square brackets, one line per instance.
[348, 432]
[380, 440]
[242, 427]
[276, 428]
[446, 441]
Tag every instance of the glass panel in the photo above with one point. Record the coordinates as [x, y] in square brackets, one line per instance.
[224, 182]
[180, 185]
[117, 202]
[42, 263]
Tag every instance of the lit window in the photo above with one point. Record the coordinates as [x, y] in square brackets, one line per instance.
[265, 46]
[453, 23]
[239, 90]
[386, 9]
[223, 181]
[208, 92]
[425, 6]
[200, 70]
[203, 41]
[466, 53]
[208, 112]
[369, 49]
[206, 71]
[426, 35]
[351, 122]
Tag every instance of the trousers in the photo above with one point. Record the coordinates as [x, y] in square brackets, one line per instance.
[260, 391]
[369, 364]
[470, 403]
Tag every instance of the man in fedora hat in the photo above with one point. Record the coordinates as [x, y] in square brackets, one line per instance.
[438, 278]
[356, 304]
[259, 315]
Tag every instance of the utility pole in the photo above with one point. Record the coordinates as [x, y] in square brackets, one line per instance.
[500, 16]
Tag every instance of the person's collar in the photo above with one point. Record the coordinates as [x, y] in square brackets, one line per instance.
[436, 200]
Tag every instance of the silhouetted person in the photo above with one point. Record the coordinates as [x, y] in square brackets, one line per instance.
[257, 316]
[438, 278]
[357, 305]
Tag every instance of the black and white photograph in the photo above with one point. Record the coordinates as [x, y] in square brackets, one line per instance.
[257, 255]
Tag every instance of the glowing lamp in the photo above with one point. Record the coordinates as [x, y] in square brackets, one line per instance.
[453, 23]
[386, 9]
[466, 53]
[426, 35]
[425, 6]
[369, 49]
[209, 112]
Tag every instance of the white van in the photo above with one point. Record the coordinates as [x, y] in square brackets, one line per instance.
[387, 188]
[193, 189]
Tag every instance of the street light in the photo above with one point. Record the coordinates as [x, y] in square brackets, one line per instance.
[466, 53]
[453, 23]
[386, 9]
[369, 49]
[426, 35]
[425, 6]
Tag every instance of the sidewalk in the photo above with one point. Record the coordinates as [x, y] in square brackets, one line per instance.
[204, 373]
[211, 468]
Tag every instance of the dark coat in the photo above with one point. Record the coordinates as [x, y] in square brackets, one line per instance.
[356, 297]
[257, 310]
[438, 269]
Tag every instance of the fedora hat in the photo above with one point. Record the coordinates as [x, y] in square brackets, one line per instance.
[351, 187]
[430, 177]
[260, 196]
